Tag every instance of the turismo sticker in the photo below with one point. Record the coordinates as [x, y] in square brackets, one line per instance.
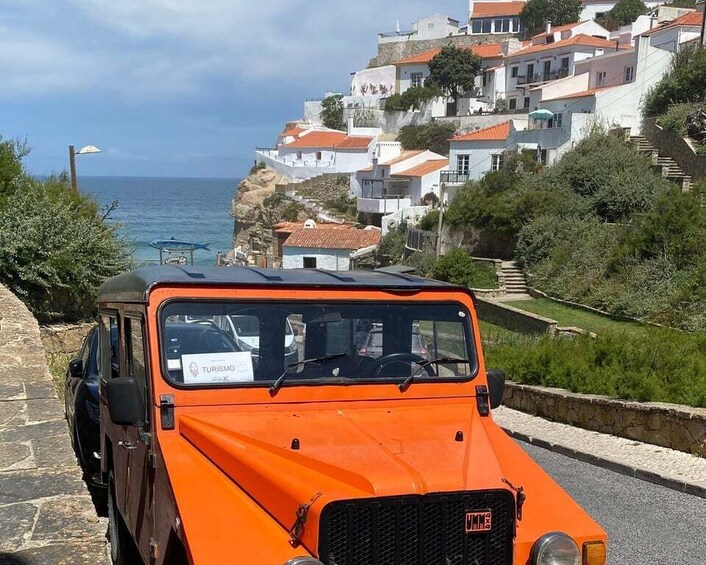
[214, 368]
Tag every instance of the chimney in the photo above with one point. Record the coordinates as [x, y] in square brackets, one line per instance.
[617, 45]
[549, 27]
[350, 126]
[510, 46]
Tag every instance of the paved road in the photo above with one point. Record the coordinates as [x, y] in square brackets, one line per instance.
[646, 524]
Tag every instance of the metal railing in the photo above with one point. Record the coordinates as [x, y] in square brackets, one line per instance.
[455, 177]
[542, 77]
[420, 240]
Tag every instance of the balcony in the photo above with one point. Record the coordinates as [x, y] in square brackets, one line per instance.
[455, 177]
[384, 205]
[542, 77]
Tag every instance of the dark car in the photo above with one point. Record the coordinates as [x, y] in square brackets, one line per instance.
[83, 408]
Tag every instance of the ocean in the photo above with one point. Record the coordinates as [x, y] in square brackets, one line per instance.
[151, 208]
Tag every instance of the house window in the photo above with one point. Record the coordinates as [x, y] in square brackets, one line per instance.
[547, 70]
[506, 25]
[417, 79]
[530, 72]
[476, 26]
[496, 162]
[515, 25]
[463, 164]
[498, 26]
[526, 103]
[513, 103]
[487, 25]
[514, 72]
[629, 74]
[600, 78]
[543, 156]
[564, 63]
[310, 262]
[485, 80]
[558, 119]
[299, 155]
[318, 155]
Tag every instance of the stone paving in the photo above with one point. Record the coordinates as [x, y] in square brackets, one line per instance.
[670, 468]
[46, 512]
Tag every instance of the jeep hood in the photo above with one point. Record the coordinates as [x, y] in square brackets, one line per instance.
[284, 458]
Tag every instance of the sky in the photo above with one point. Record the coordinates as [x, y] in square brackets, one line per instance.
[182, 88]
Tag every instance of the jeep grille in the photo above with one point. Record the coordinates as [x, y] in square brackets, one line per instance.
[418, 529]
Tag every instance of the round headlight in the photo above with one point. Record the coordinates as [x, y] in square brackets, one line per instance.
[555, 549]
[303, 561]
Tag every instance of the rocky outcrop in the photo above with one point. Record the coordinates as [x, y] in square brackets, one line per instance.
[256, 207]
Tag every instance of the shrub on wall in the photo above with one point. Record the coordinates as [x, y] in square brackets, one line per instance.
[56, 250]
[458, 267]
[434, 137]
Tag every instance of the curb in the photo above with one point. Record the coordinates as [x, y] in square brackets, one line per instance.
[612, 465]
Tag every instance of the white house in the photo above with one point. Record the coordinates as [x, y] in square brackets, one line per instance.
[542, 63]
[329, 249]
[593, 9]
[671, 35]
[553, 34]
[306, 153]
[494, 17]
[436, 26]
[396, 183]
[475, 153]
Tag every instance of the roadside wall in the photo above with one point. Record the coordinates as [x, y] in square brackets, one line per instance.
[675, 147]
[670, 425]
[513, 318]
[64, 339]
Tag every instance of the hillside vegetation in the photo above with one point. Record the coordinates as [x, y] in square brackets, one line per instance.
[600, 227]
[56, 247]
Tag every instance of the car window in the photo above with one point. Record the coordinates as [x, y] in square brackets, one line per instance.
[110, 346]
[136, 358]
[369, 340]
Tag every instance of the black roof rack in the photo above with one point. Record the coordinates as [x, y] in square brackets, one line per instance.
[135, 286]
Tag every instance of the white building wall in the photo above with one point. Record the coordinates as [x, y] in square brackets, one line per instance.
[614, 66]
[435, 27]
[480, 155]
[327, 259]
[375, 78]
[404, 75]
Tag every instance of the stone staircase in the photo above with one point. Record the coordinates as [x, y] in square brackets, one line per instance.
[666, 166]
[515, 281]
[314, 205]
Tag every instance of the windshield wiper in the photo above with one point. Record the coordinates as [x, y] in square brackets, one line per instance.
[278, 383]
[404, 385]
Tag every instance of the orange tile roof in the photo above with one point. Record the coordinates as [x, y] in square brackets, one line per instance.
[294, 132]
[493, 133]
[483, 50]
[565, 27]
[581, 40]
[423, 169]
[331, 139]
[492, 9]
[691, 19]
[315, 238]
[355, 143]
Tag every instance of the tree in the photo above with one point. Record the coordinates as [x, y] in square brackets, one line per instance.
[332, 112]
[433, 136]
[454, 70]
[537, 13]
[12, 151]
[623, 13]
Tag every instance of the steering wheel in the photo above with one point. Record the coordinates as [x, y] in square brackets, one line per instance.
[408, 359]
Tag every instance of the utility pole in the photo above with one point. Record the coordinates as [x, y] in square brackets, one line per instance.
[442, 188]
[72, 167]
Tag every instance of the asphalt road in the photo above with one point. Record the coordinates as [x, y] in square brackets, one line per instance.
[646, 524]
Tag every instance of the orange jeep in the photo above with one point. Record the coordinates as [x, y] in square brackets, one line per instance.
[306, 417]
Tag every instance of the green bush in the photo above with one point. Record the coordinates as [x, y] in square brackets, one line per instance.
[430, 222]
[433, 136]
[392, 244]
[422, 262]
[458, 267]
[686, 82]
[674, 119]
[256, 167]
[55, 250]
[658, 365]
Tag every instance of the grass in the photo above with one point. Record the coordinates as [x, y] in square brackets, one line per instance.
[567, 316]
[58, 362]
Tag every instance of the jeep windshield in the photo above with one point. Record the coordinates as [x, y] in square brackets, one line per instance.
[212, 344]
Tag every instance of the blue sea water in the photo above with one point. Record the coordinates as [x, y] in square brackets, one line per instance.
[150, 208]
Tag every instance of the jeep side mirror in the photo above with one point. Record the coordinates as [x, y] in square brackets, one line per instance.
[76, 368]
[125, 402]
[496, 386]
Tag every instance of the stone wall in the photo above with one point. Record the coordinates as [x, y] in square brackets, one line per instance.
[64, 339]
[677, 148]
[670, 425]
[513, 318]
[390, 53]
